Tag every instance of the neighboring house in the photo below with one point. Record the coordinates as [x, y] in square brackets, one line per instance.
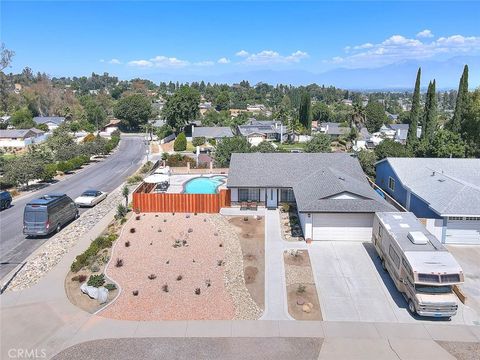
[212, 132]
[52, 122]
[401, 132]
[5, 119]
[21, 138]
[392, 117]
[446, 192]
[257, 131]
[157, 123]
[333, 197]
[111, 126]
[347, 102]
[204, 107]
[333, 129]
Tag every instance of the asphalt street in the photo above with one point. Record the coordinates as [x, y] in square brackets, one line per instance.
[106, 175]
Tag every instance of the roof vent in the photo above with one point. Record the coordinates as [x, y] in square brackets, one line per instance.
[417, 238]
[441, 180]
[405, 226]
[341, 178]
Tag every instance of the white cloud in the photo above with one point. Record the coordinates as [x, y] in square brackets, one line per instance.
[160, 61]
[115, 61]
[204, 63]
[397, 48]
[242, 53]
[223, 60]
[273, 57]
[425, 34]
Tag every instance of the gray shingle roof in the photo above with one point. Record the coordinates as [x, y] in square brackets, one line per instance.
[449, 186]
[45, 119]
[19, 133]
[210, 132]
[335, 128]
[315, 178]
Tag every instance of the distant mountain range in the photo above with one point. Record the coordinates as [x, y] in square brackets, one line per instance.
[398, 76]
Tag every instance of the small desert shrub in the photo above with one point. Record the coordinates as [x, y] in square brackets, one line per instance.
[301, 288]
[179, 277]
[119, 263]
[187, 216]
[215, 234]
[110, 287]
[168, 262]
[132, 231]
[134, 179]
[164, 220]
[195, 214]
[96, 280]
[245, 218]
[285, 207]
[137, 217]
[123, 221]
[80, 278]
[94, 268]
[135, 292]
[220, 262]
[156, 215]
[197, 291]
[165, 288]
[190, 230]
[208, 282]
[152, 276]
[220, 245]
[121, 211]
[173, 214]
[127, 243]
[159, 230]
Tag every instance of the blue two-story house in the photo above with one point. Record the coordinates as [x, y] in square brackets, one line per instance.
[444, 192]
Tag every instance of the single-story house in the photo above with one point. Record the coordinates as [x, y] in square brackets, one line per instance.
[212, 132]
[333, 197]
[257, 131]
[333, 129]
[21, 138]
[111, 126]
[445, 192]
[52, 122]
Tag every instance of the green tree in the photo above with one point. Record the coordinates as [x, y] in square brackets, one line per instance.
[264, 147]
[430, 114]
[94, 113]
[461, 103]
[358, 115]
[198, 141]
[23, 169]
[228, 146]
[318, 143]
[415, 110]
[22, 119]
[470, 130]
[182, 107]
[321, 112]
[134, 110]
[180, 143]
[375, 116]
[391, 148]
[222, 101]
[5, 61]
[125, 193]
[367, 160]
[446, 143]
[48, 172]
[304, 112]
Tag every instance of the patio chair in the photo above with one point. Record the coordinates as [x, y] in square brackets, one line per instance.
[243, 205]
[253, 205]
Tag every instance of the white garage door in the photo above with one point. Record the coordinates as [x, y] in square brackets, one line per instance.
[463, 231]
[342, 227]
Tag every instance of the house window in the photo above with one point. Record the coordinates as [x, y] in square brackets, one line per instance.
[394, 256]
[249, 194]
[455, 218]
[286, 195]
[391, 184]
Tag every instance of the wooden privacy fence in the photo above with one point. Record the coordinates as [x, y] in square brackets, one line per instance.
[180, 203]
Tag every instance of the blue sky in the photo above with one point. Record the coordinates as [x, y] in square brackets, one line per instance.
[216, 39]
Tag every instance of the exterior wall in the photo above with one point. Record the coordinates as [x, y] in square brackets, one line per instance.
[421, 209]
[435, 226]
[255, 140]
[306, 223]
[384, 171]
[21, 143]
[262, 195]
[234, 195]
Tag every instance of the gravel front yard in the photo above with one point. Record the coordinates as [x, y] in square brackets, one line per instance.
[193, 266]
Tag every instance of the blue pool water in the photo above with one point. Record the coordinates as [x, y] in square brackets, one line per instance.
[204, 185]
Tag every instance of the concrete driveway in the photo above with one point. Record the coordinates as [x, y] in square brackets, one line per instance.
[352, 286]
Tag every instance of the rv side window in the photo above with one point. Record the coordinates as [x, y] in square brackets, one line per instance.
[407, 267]
[394, 256]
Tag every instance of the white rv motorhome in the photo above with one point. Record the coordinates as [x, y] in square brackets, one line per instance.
[422, 269]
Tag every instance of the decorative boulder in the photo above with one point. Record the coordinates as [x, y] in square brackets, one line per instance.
[306, 309]
[100, 294]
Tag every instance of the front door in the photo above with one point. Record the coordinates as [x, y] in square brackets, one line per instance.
[272, 197]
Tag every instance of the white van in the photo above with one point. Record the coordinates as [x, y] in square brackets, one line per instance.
[422, 269]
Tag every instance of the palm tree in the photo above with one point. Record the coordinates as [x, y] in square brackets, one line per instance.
[358, 115]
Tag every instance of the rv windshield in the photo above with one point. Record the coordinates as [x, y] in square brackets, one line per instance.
[429, 289]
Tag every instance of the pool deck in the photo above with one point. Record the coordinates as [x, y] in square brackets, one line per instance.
[177, 182]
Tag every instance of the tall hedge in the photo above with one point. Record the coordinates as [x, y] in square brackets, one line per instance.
[180, 143]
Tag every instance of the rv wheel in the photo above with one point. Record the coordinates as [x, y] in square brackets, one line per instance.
[411, 307]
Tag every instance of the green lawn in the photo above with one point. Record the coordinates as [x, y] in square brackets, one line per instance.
[289, 147]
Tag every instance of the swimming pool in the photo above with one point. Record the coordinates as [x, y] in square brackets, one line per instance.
[204, 185]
